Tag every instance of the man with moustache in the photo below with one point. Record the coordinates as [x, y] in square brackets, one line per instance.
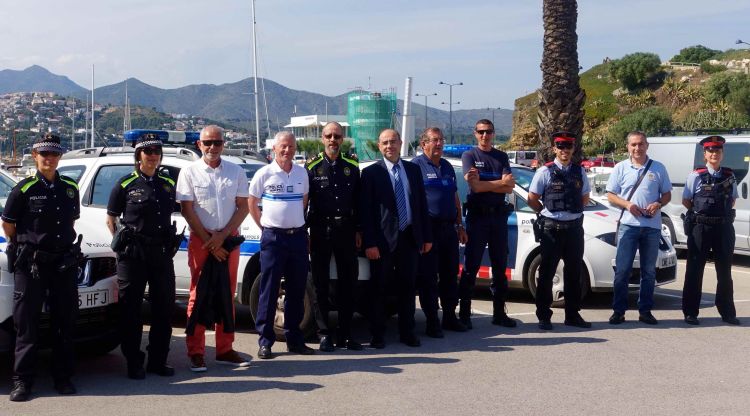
[334, 229]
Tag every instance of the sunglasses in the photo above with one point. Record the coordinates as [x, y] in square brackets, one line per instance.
[482, 132]
[209, 143]
[333, 136]
[564, 146]
[152, 151]
[48, 153]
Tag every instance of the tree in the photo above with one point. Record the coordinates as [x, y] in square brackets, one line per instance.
[732, 87]
[561, 97]
[648, 120]
[695, 54]
[636, 69]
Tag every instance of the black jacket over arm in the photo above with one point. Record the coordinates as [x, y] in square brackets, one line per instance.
[378, 213]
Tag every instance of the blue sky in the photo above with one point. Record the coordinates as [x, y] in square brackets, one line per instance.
[327, 46]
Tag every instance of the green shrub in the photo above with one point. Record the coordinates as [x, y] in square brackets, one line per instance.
[712, 69]
[714, 119]
[649, 120]
[732, 87]
[635, 70]
[695, 54]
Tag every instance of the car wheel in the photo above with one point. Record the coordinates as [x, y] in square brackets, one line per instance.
[252, 270]
[668, 228]
[307, 326]
[558, 295]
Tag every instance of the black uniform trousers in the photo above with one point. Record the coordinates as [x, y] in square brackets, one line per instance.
[60, 290]
[490, 231]
[339, 240]
[720, 239]
[156, 270]
[438, 271]
[556, 245]
[396, 269]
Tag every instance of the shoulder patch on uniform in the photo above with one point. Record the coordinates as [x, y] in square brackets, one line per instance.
[128, 179]
[69, 181]
[549, 164]
[167, 179]
[25, 187]
[350, 159]
[311, 164]
[701, 170]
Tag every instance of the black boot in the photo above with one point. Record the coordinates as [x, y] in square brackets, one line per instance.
[499, 317]
[464, 313]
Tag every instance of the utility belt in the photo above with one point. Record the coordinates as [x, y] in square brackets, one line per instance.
[288, 231]
[133, 244]
[483, 209]
[705, 219]
[27, 255]
[542, 223]
[331, 221]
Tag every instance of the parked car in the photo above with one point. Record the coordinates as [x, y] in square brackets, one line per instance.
[96, 325]
[523, 157]
[599, 161]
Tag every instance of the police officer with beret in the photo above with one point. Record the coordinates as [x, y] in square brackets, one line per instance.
[438, 268]
[143, 201]
[487, 171]
[562, 187]
[333, 220]
[38, 221]
[709, 195]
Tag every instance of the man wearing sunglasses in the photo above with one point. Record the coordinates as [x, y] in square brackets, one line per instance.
[334, 229]
[38, 222]
[487, 171]
[213, 195]
[564, 189]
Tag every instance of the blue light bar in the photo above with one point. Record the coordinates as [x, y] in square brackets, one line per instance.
[455, 150]
[172, 137]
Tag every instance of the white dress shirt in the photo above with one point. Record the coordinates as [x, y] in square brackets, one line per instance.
[404, 182]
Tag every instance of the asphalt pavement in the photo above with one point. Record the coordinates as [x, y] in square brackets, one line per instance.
[668, 369]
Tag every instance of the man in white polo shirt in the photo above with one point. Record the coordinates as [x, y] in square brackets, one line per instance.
[282, 186]
[213, 199]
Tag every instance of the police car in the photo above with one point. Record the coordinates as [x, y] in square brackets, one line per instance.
[96, 326]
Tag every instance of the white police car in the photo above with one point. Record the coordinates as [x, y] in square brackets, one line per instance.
[96, 325]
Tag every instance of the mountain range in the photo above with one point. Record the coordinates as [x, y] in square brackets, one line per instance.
[231, 102]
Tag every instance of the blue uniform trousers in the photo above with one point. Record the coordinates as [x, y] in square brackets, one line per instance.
[438, 271]
[491, 231]
[282, 254]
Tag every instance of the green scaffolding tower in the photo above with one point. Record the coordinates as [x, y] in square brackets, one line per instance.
[368, 114]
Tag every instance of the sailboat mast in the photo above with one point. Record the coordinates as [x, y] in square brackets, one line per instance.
[93, 137]
[255, 81]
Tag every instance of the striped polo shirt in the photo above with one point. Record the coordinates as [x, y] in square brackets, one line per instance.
[281, 195]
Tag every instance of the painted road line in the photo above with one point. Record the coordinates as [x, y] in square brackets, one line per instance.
[703, 302]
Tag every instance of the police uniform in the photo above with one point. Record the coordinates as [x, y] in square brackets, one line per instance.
[486, 226]
[710, 227]
[145, 204]
[333, 221]
[43, 213]
[560, 233]
[438, 268]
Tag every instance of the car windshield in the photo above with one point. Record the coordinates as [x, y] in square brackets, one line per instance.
[6, 184]
[522, 176]
[250, 169]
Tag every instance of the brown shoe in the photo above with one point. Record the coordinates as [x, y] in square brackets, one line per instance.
[197, 363]
[232, 358]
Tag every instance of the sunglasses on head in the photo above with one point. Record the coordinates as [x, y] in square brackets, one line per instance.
[482, 132]
[333, 136]
[152, 151]
[563, 145]
[209, 143]
[49, 153]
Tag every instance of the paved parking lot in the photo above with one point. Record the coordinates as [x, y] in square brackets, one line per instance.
[670, 369]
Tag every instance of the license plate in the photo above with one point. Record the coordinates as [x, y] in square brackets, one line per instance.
[668, 262]
[94, 298]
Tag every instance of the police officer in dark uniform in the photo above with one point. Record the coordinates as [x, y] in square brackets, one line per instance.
[709, 196]
[447, 231]
[38, 221]
[564, 189]
[144, 200]
[487, 171]
[334, 223]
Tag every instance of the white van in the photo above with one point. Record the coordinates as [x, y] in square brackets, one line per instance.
[681, 155]
[522, 157]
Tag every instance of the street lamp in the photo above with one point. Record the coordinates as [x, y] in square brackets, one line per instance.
[739, 41]
[425, 105]
[493, 114]
[450, 103]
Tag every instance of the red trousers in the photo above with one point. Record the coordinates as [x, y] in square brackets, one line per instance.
[196, 343]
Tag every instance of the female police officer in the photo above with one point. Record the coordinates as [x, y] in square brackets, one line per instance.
[145, 199]
[38, 220]
[709, 196]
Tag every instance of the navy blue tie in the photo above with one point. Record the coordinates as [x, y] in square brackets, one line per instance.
[400, 199]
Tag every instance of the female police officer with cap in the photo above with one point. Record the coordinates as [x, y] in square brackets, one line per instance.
[38, 220]
[145, 199]
[709, 196]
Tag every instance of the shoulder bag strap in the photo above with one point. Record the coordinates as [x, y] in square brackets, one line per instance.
[632, 191]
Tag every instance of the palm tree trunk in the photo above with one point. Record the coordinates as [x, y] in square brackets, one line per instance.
[561, 97]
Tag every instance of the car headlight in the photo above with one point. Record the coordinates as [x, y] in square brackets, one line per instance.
[609, 238]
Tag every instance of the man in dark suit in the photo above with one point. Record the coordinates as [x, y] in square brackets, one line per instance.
[395, 230]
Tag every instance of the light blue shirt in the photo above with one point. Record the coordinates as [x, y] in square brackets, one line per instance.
[693, 184]
[539, 183]
[404, 182]
[623, 178]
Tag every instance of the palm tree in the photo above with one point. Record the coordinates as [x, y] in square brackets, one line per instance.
[561, 97]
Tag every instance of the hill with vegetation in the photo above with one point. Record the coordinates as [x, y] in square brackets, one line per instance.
[699, 89]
